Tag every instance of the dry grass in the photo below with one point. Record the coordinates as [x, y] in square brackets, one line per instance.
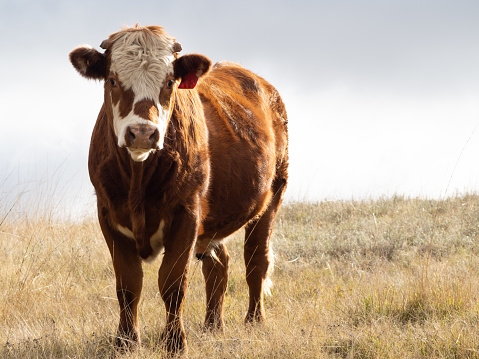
[392, 278]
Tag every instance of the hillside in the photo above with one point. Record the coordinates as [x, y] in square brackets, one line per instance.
[390, 278]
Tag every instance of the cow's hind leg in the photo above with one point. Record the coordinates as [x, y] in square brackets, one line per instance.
[215, 271]
[258, 255]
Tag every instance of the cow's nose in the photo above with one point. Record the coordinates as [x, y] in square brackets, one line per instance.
[142, 136]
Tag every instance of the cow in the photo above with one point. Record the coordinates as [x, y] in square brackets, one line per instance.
[182, 155]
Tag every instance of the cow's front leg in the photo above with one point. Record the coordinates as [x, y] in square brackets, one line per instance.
[129, 281]
[172, 281]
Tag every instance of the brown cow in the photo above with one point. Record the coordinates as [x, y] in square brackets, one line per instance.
[180, 164]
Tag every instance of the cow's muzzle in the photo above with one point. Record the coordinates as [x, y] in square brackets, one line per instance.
[142, 136]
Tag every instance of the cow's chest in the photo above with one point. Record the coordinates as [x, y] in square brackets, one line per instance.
[147, 225]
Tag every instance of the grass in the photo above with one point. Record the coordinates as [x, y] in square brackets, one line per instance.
[390, 278]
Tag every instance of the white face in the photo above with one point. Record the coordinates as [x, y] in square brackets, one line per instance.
[141, 79]
[122, 124]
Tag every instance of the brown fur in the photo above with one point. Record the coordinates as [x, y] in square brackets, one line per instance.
[89, 63]
[146, 109]
[192, 61]
[223, 167]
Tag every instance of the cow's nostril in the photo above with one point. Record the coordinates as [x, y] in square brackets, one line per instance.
[154, 137]
[132, 135]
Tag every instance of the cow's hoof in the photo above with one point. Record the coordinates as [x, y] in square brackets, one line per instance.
[174, 341]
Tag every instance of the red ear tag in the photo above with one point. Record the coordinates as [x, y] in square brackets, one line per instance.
[189, 80]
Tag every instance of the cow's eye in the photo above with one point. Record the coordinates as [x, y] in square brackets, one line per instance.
[112, 82]
[170, 83]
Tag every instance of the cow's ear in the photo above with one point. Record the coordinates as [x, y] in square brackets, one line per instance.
[189, 68]
[89, 62]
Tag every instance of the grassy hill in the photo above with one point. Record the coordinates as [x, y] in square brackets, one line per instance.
[390, 278]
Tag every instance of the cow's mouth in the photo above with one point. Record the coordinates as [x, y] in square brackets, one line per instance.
[139, 154]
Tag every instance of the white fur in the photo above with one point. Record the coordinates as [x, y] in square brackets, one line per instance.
[121, 124]
[156, 241]
[268, 283]
[125, 231]
[141, 63]
[210, 248]
[139, 155]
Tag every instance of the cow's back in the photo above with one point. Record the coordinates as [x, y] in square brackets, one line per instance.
[247, 123]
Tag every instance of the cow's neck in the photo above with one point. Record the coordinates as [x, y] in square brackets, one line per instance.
[136, 192]
[162, 167]
[136, 199]
[136, 175]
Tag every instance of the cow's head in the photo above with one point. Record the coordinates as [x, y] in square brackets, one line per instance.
[142, 70]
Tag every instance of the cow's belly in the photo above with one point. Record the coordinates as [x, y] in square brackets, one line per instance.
[223, 223]
[229, 213]
[240, 186]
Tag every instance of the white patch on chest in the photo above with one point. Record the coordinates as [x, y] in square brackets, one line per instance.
[156, 240]
[125, 231]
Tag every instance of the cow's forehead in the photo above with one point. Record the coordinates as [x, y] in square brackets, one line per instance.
[142, 61]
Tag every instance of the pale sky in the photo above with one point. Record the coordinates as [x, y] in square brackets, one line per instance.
[382, 96]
